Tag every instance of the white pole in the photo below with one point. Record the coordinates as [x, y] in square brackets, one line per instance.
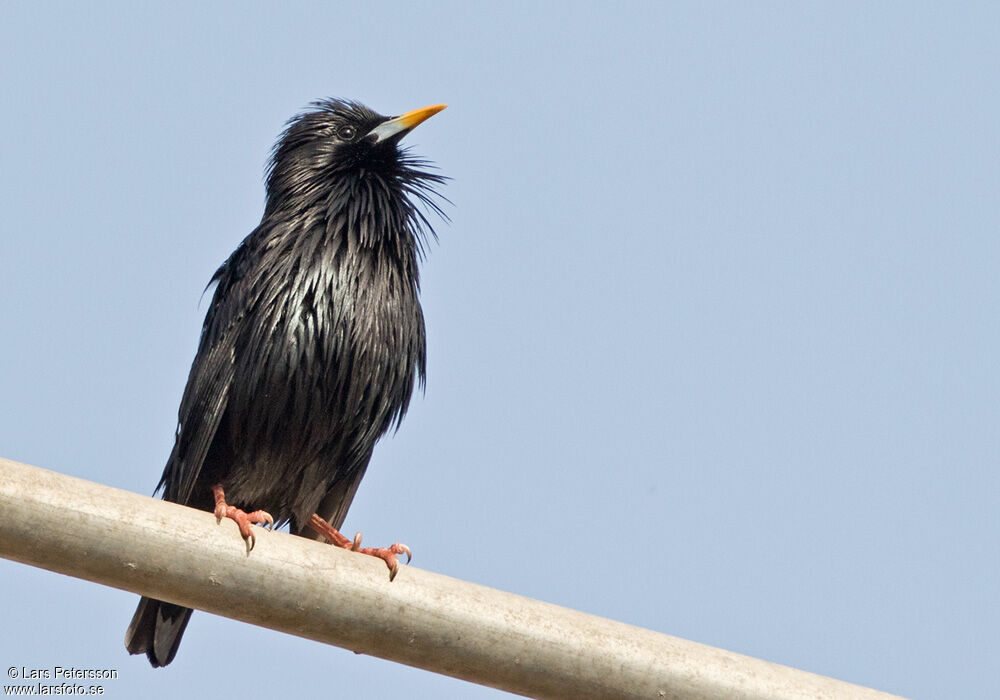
[422, 619]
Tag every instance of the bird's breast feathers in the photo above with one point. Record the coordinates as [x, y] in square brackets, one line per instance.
[346, 344]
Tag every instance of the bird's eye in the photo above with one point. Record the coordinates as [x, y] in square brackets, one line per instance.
[346, 133]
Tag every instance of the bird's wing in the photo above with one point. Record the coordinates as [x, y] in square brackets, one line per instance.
[207, 392]
[201, 410]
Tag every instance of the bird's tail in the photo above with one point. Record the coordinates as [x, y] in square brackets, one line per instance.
[156, 630]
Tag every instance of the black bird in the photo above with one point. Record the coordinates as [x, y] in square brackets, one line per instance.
[312, 344]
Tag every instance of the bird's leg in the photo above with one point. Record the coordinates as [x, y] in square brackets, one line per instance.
[386, 554]
[244, 520]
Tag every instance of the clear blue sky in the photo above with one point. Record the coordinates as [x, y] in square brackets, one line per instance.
[713, 332]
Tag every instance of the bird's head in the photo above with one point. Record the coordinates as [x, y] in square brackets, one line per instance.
[340, 141]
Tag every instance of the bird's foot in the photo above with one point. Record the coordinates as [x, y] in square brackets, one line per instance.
[244, 520]
[386, 554]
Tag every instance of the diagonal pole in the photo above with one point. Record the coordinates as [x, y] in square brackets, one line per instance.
[422, 619]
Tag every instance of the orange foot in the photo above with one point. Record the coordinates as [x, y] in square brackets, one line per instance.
[386, 554]
[244, 520]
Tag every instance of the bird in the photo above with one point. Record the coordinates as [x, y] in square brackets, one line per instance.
[312, 344]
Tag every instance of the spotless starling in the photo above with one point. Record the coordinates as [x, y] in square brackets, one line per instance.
[312, 344]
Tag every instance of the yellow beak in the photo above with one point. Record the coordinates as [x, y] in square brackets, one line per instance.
[404, 122]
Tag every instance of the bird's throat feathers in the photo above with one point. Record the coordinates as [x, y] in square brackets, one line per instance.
[370, 204]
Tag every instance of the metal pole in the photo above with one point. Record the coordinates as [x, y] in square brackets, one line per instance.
[422, 619]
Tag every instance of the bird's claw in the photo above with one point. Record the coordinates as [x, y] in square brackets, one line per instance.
[245, 521]
[386, 554]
